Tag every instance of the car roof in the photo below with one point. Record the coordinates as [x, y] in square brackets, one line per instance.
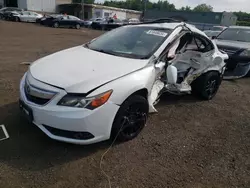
[163, 25]
[173, 25]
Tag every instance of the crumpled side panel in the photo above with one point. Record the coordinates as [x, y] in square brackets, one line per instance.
[157, 87]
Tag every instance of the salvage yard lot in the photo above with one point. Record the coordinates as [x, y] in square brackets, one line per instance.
[188, 143]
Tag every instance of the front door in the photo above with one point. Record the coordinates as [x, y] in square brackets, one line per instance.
[65, 21]
[24, 16]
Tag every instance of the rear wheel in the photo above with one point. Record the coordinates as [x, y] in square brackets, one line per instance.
[17, 19]
[56, 25]
[130, 118]
[78, 26]
[103, 28]
[207, 85]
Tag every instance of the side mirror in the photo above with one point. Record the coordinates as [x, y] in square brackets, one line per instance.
[171, 74]
[169, 58]
[213, 37]
[217, 60]
[160, 65]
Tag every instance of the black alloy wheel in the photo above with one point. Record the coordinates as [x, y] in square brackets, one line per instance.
[133, 121]
[207, 85]
[131, 118]
[211, 87]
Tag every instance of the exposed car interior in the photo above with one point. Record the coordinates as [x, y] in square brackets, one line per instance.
[188, 54]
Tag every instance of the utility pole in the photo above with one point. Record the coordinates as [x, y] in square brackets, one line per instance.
[144, 9]
[82, 9]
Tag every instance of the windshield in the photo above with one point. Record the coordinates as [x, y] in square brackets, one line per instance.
[235, 34]
[133, 42]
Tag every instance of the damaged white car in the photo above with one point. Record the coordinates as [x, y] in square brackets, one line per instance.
[107, 87]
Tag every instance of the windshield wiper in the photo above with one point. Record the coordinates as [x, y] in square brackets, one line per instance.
[86, 45]
[120, 54]
[104, 51]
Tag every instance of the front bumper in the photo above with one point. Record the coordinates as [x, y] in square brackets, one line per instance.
[72, 125]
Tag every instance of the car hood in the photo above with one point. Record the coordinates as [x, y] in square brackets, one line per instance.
[79, 70]
[232, 44]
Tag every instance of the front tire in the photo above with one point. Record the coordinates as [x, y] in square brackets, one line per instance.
[103, 28]
[56, 25]
[78, 26]
[17, 19]
[207, 85]
[130, 118]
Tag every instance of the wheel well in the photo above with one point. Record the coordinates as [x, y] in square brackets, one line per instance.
[142, 92]
[212, 71]
[207, 73]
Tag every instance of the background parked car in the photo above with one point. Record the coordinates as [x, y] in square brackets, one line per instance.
[46, 19]
[11, 16]
[96, 24]
[88, 23]
[212, 34]
[66, 21]
[27, 16]
[133, 21]
[111, 24]
[8, 10]
[215, 31]
[235, 41]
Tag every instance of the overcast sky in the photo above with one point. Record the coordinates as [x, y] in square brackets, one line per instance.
[218, 5]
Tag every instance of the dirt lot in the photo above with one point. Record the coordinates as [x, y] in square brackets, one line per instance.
[189, 143]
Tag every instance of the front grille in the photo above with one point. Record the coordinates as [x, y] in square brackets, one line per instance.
[36, 95]
[69, 134]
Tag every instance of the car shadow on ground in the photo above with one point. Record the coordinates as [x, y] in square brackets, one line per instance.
[28, 148]
[170, 99]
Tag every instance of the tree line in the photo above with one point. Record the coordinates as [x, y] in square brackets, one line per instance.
[243, 17]
[139, 5]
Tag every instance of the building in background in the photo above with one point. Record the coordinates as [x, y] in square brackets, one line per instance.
[41, 5]
[65, 6]
[202, 20]
[1, 3]
[97, 11]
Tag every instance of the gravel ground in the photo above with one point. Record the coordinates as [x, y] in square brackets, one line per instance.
[188, 143]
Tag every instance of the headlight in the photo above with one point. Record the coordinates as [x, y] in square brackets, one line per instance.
[245, 53]
[85, 102]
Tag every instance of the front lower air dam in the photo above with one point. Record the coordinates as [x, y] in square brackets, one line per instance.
[240, 71]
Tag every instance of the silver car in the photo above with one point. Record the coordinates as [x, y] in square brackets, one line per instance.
[27, 16]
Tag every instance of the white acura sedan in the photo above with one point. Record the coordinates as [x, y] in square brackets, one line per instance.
[106, 87]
